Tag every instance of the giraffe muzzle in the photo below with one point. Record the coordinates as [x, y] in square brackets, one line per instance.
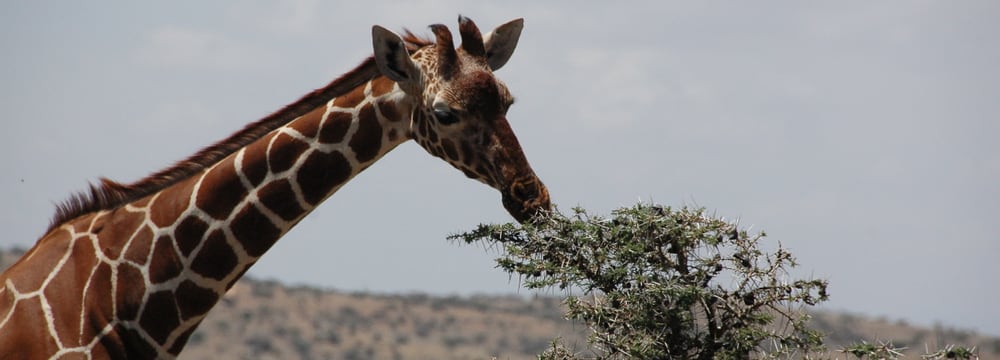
[525, 198]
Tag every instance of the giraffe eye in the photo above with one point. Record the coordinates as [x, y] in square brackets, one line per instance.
[445, 116]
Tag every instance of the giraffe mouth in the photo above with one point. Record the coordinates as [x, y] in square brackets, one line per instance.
[526, 198]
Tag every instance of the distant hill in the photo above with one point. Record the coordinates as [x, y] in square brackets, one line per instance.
[267, 320]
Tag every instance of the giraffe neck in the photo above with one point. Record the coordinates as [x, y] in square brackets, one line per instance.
[169, 257]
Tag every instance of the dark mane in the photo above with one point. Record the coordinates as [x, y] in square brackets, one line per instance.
[110, 194]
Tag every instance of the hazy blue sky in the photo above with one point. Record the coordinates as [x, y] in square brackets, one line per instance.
[861, 135]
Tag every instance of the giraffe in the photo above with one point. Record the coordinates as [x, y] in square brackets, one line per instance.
[129, 271]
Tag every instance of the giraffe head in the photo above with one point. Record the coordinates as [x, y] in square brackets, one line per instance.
[460, 107]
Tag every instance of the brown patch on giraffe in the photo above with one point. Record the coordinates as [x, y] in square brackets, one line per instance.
[30, 341]
[255, 231]
[382, 86]
[189, 233]
[160, 316]
[254, 165]
[99, 309]
[29, 277]
[284, 151]
[193, 300]
[350, 100]
[275, 196]
[69, 279]
[171, 203]
[392, 135]
[308, 124]
[216, 258]
[120, 226]
[335, 127]
[129, 290]
[320, 173]
[367, 139]
[388, 110]
[221, 190]
[100, 288]
[138, 250]
[165, 264]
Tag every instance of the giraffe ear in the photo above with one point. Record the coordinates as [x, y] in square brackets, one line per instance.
[391, 57]
[500, 43]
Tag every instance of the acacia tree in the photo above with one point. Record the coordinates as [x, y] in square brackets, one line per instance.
[653, 282]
